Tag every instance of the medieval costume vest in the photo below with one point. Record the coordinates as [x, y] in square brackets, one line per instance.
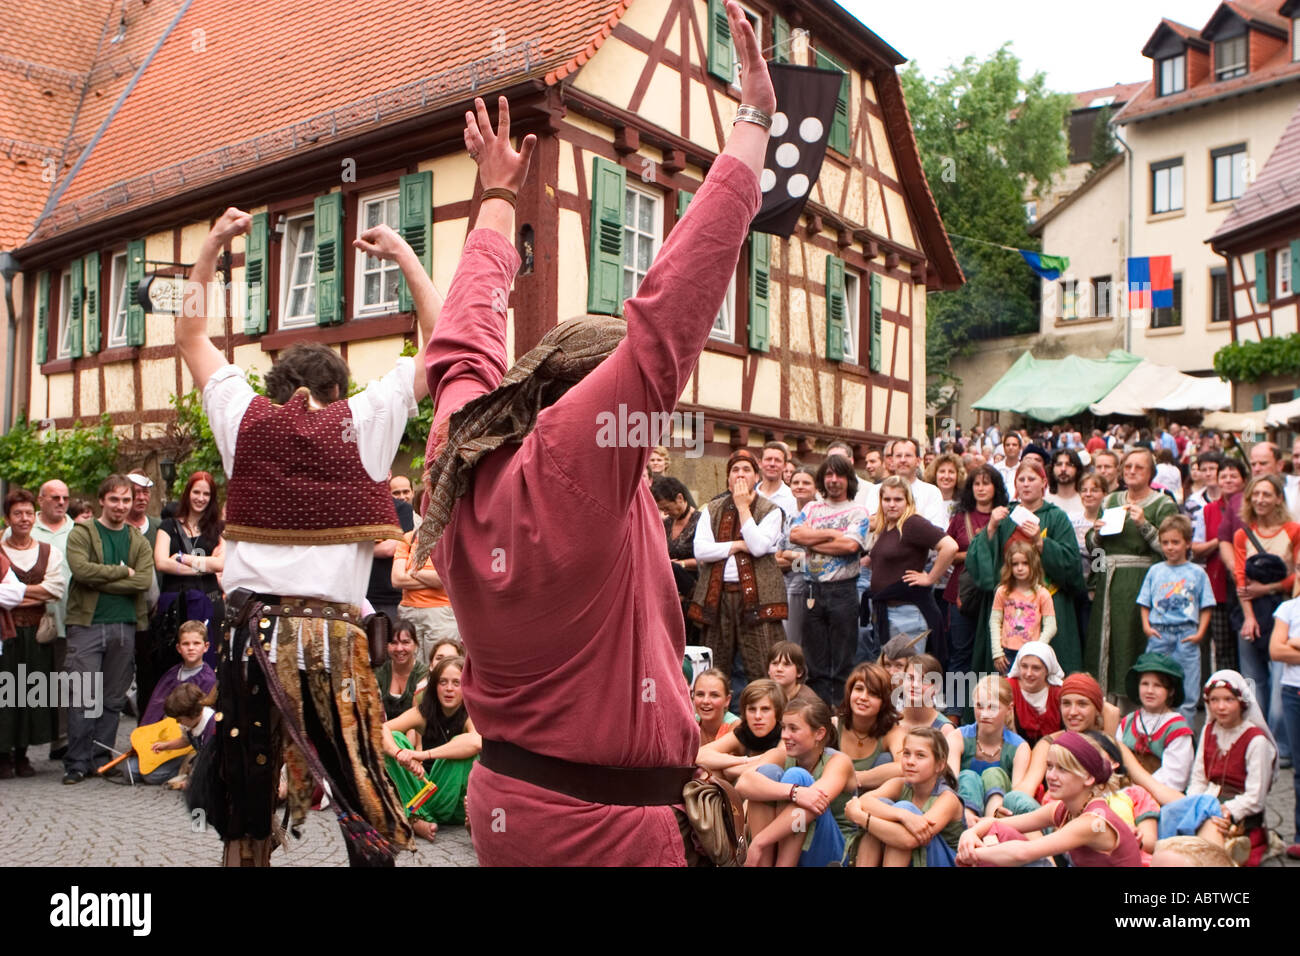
[1228, 770]
[1149, 747]
[762, 584]
[298, 478]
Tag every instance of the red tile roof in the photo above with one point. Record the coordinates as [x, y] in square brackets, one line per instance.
[61, 73]
[1122, 92]
[1274, 194]
[1279, 68]
[366, 64]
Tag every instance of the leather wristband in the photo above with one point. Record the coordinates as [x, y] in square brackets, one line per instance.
[499, 192]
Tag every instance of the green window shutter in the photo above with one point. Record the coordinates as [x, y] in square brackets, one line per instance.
[1295, 265]
[760, 307]
[134, 276]
[605, 268]
[836, 308]
[329, 259]
[722, 59]
[93, 320]
[1257, 403]
[780, 39]
[42, 317]
[877, 314]
[416, 227]
[257, 257]
[76, 306]
[683, 201]
[839, 137]
[1261, 278]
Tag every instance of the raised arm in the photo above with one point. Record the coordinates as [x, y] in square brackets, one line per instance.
[201, 357]
[466, 356]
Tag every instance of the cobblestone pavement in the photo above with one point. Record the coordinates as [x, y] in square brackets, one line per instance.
[104, 823]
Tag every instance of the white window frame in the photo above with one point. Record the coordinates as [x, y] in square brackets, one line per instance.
[118, 322]
[64, 349]
[657, 235]
[852, 298]
[1176, 81]
[1239, 68]
[1285, 283]
[386, 306]
[290, 253]
[1170, 201]
[724, 324]
[1236, 161]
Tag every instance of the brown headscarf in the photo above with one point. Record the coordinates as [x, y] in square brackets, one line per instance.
[564, 357]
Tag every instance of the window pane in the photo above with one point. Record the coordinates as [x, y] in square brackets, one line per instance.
[629, 208]
[393, 213]
[629, 248]
[644, 216]
[374, 211]
[372, 289]
[390, 285]
[1176, 187]
[645, 253]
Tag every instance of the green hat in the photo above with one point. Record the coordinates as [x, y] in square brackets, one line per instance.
[1156, 664]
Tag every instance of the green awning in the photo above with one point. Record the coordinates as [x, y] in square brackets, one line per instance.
[1048, 390]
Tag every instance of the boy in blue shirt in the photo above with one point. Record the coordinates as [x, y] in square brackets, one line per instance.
[1175, 602]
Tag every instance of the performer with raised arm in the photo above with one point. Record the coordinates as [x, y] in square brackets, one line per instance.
[307, 497]
[550, 545]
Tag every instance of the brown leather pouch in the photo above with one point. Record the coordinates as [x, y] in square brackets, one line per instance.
[717, 818]
[378, 627]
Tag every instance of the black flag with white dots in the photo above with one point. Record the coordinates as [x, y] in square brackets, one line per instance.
[801, 125]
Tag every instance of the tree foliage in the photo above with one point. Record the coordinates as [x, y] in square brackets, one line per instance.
[1251, 361]
[82, 456]
[1103, 140]
[988, 138]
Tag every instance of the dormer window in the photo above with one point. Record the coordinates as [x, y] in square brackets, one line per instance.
[1173, 74]
[1230, 57]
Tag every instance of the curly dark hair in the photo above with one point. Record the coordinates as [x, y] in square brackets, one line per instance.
[967, 500]
[310, 365]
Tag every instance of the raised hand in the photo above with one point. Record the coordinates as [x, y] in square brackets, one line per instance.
[382, 242]
[499, 164]
[755, 83]
[233, 222]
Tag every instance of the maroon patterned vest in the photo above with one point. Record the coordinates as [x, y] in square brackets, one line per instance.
[298, 478]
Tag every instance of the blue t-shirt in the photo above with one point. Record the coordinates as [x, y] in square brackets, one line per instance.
[1176, 594]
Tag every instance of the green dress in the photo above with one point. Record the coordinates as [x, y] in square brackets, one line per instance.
[1112, 650]
[451, 777]
[1063, 579]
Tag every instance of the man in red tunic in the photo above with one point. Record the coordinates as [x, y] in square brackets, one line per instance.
[549, 543]
[307, 498]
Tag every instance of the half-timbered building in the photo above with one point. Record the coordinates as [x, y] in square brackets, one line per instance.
[324, 132]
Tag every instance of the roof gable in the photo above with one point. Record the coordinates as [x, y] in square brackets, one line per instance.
[1275, 194]
[1168, 34]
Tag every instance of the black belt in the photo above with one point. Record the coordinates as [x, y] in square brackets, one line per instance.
[613, 786]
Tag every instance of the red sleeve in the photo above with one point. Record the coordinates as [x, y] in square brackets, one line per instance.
[1058, 814]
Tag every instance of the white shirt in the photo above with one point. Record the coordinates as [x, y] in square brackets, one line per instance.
[783, 498]
[762, 538]
[1008, 473]
[1259, 769]
[868, 495]
[326, 572]
[11, 590]
[1293, 496]
[58, 540]
[930, 504]
[56, 579]
[1176, 761]
[1072, 506]
[1289, 611]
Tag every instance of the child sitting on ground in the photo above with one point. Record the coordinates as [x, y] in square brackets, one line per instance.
[1175, 603]
[1158, 736]
[994, 757]
[191, 644]
[186, 705]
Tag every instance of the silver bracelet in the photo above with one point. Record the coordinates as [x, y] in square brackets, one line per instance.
[752, 114]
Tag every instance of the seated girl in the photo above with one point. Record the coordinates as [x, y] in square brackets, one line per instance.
[454, 745]
[1082, 708]
[1133, 804]
[762, 706]
[785, 665]
[791, 790]
[1232, 773]
[1156, 733]
[915, 819]
[1036, 688]
[868, 730]
[994, 757]
[402, 673]
[712, 696]
[921, 698]
[1087, 830]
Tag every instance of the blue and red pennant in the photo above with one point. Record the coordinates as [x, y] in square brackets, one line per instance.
[1151, 282]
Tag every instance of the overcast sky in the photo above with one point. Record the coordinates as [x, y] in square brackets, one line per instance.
[1080, 46]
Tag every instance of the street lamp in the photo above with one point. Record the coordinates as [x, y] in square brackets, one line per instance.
[167, 469]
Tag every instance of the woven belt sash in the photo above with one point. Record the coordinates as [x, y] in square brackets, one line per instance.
[1113, 564]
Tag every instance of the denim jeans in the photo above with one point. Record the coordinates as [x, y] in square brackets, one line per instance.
[825, 845]
[1256, 666]
[1276, 720]
[107, 649]
[908, 619]
[975, 789]
[830, 637]
[796, 596]
[1171, 643]
[1291, 716]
